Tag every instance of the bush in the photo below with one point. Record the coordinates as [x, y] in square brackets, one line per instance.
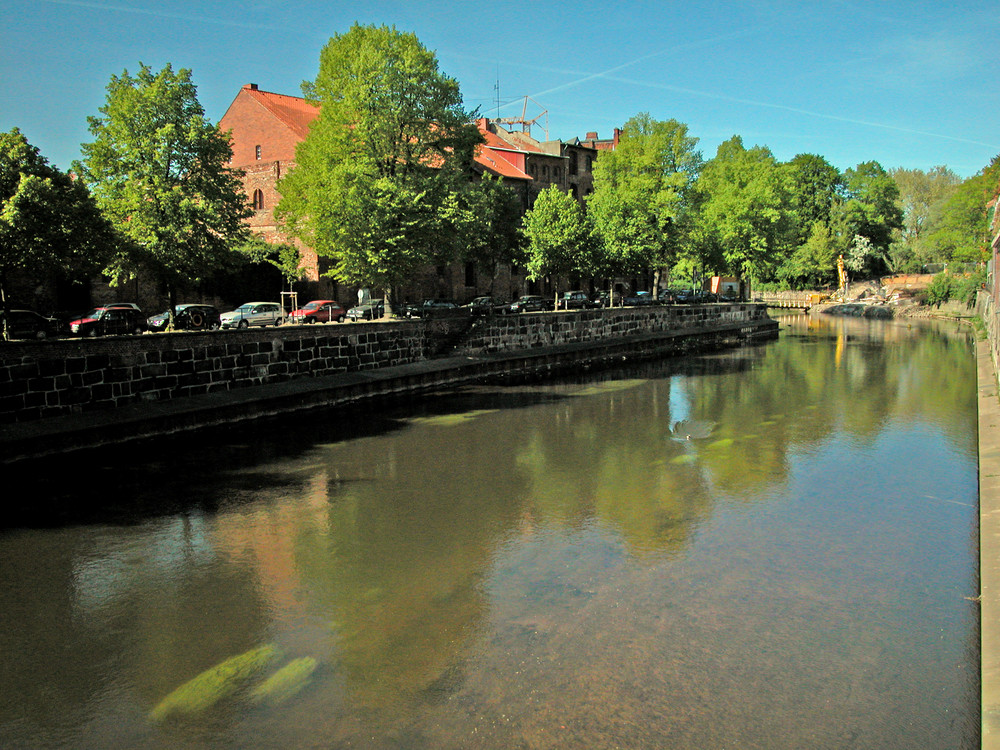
[966, 287]
[940, 289]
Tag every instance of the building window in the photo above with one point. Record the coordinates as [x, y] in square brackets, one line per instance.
[470, 274]
[572, 162]
[258, 200]
[590, 163]
[256, 150]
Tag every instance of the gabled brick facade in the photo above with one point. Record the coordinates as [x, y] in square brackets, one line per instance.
[266, 127]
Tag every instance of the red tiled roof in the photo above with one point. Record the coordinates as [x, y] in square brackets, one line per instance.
[297, 113]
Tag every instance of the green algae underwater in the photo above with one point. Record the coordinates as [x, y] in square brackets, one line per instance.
[228, 677]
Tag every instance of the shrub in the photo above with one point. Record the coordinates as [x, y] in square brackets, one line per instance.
[940, 289]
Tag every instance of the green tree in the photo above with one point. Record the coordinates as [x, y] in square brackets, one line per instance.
[960, 230]
[157, 168]
[745, 213]
[920, 195]
[284, 256]
[870, 208]
[814, 186]
[643, 191]
[560, 240]
[48, 221]
[377, 182]
[814, 262]
[490, 228]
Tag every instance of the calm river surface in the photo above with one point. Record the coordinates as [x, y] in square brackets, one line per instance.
[772, 547]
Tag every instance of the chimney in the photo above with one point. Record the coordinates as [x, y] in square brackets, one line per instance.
[591, 136]
[251, 86]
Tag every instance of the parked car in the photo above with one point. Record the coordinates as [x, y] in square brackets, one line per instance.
[189, 316]
[576, 301]
[27, 324]
[318, 311]
[487, 306]
[638, 299]
[109, 321]
[369, 310]
[602, 299]
[531, 303]
[428, 306]
[253, 314]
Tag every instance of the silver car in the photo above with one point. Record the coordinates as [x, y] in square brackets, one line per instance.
[253, 314]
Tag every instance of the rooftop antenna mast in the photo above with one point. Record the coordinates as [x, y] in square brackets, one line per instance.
[496, 88]
[523, 120]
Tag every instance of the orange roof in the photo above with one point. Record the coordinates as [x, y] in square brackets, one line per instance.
[297, 113]
[496, 164]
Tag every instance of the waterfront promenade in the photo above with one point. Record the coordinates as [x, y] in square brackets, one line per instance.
[989, 544]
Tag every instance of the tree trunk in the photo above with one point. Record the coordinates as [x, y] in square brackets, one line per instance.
[172, 300]
[6, 309]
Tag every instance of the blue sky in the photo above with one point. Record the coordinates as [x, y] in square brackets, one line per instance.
[908, 84]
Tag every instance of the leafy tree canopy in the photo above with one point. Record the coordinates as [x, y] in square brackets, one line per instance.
[960, 230]
[376, 182]
[814, 262]
[745, 210]
[919, 195]
[643, 191]
[48, 221]
[157, 168]
[814, 185]
[871, 203]
[490, 225]
[559, 235]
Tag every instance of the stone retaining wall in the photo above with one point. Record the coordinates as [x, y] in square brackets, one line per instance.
[52, 378]
[507, 333]
[55, 378]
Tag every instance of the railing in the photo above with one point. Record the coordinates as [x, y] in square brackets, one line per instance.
[792, 300]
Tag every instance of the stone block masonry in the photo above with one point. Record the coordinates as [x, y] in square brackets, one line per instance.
[507, 333]
[49, 380]
[54, 378]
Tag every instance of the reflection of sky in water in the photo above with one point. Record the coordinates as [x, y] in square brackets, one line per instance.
[679, 408]
[534, 566]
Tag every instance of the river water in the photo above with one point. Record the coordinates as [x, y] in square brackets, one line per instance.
[770, 547]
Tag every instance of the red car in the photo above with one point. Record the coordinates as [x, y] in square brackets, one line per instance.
[318, 311]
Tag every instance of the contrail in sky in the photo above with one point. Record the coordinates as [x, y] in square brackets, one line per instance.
[163, 14]
[608, 75]
[796, 110]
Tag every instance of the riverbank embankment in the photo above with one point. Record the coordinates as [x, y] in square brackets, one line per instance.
[989, 544]
[60, 396]
[987, 357]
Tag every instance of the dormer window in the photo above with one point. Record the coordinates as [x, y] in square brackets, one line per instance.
[257, 152]
[258, 199]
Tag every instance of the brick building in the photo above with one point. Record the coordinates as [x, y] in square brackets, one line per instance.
[602, 144]
[266, 127]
